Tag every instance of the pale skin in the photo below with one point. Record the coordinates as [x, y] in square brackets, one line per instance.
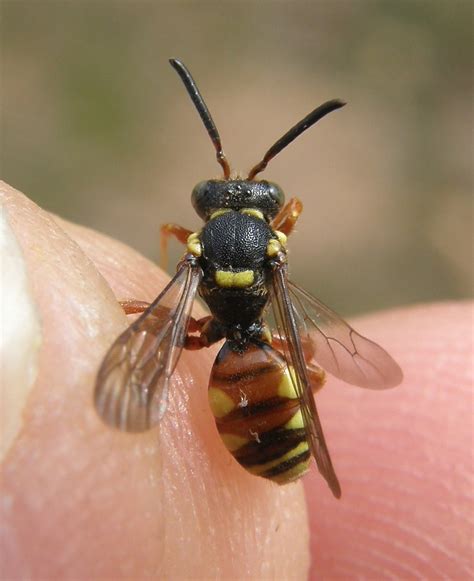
[81, 501]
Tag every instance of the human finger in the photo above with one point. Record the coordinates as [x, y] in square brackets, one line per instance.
[404, 457]
[84, 501]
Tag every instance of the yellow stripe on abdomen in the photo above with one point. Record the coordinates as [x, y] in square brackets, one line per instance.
[257, 412]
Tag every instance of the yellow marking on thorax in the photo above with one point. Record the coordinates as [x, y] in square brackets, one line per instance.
[249, 211]
[193, 244]
[221, 404]
[282, 238]
[219, 212]
[228, 279]
[276, 244]
[253, 212]
[273, 247]
[286, 386]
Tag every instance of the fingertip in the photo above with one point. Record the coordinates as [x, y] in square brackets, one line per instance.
[45, 473]
[401, 456]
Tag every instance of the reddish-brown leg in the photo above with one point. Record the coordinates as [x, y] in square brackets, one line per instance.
[316, 375]
[209, 331]
[197, 325]
[287, 217]
[181, 234]
[308, 347]
[132, 307]
[194, 342]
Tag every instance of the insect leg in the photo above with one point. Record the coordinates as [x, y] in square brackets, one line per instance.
[308, 347]
[316, 375]
[287, 217]
[181, 234]
[132, 307]
[209, 332]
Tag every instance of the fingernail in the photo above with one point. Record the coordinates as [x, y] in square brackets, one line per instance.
[20, 336]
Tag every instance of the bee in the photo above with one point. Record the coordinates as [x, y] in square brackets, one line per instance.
[262, 381]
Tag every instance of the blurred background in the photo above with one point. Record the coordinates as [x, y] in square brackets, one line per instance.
[97, 127]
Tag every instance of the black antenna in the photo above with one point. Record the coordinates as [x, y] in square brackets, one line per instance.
[294, 132]
[203, 111]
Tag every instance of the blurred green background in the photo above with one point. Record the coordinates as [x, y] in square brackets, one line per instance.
[97, 127]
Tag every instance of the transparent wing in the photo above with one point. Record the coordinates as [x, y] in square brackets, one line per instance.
[338, 348]
[285, 319]
[131, 391]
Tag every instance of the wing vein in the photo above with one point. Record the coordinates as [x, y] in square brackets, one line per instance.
[131, 390]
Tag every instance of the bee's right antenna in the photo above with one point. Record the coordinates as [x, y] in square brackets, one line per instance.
[203, 111]
[294, 132]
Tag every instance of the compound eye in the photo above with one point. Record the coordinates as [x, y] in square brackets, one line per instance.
[200, 198]
[199, 192]
[276, 193]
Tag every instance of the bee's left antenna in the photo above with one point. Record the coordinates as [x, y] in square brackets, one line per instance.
[294, 132]
[203, 111]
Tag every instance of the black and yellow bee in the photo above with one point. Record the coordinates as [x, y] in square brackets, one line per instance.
[262, 382]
